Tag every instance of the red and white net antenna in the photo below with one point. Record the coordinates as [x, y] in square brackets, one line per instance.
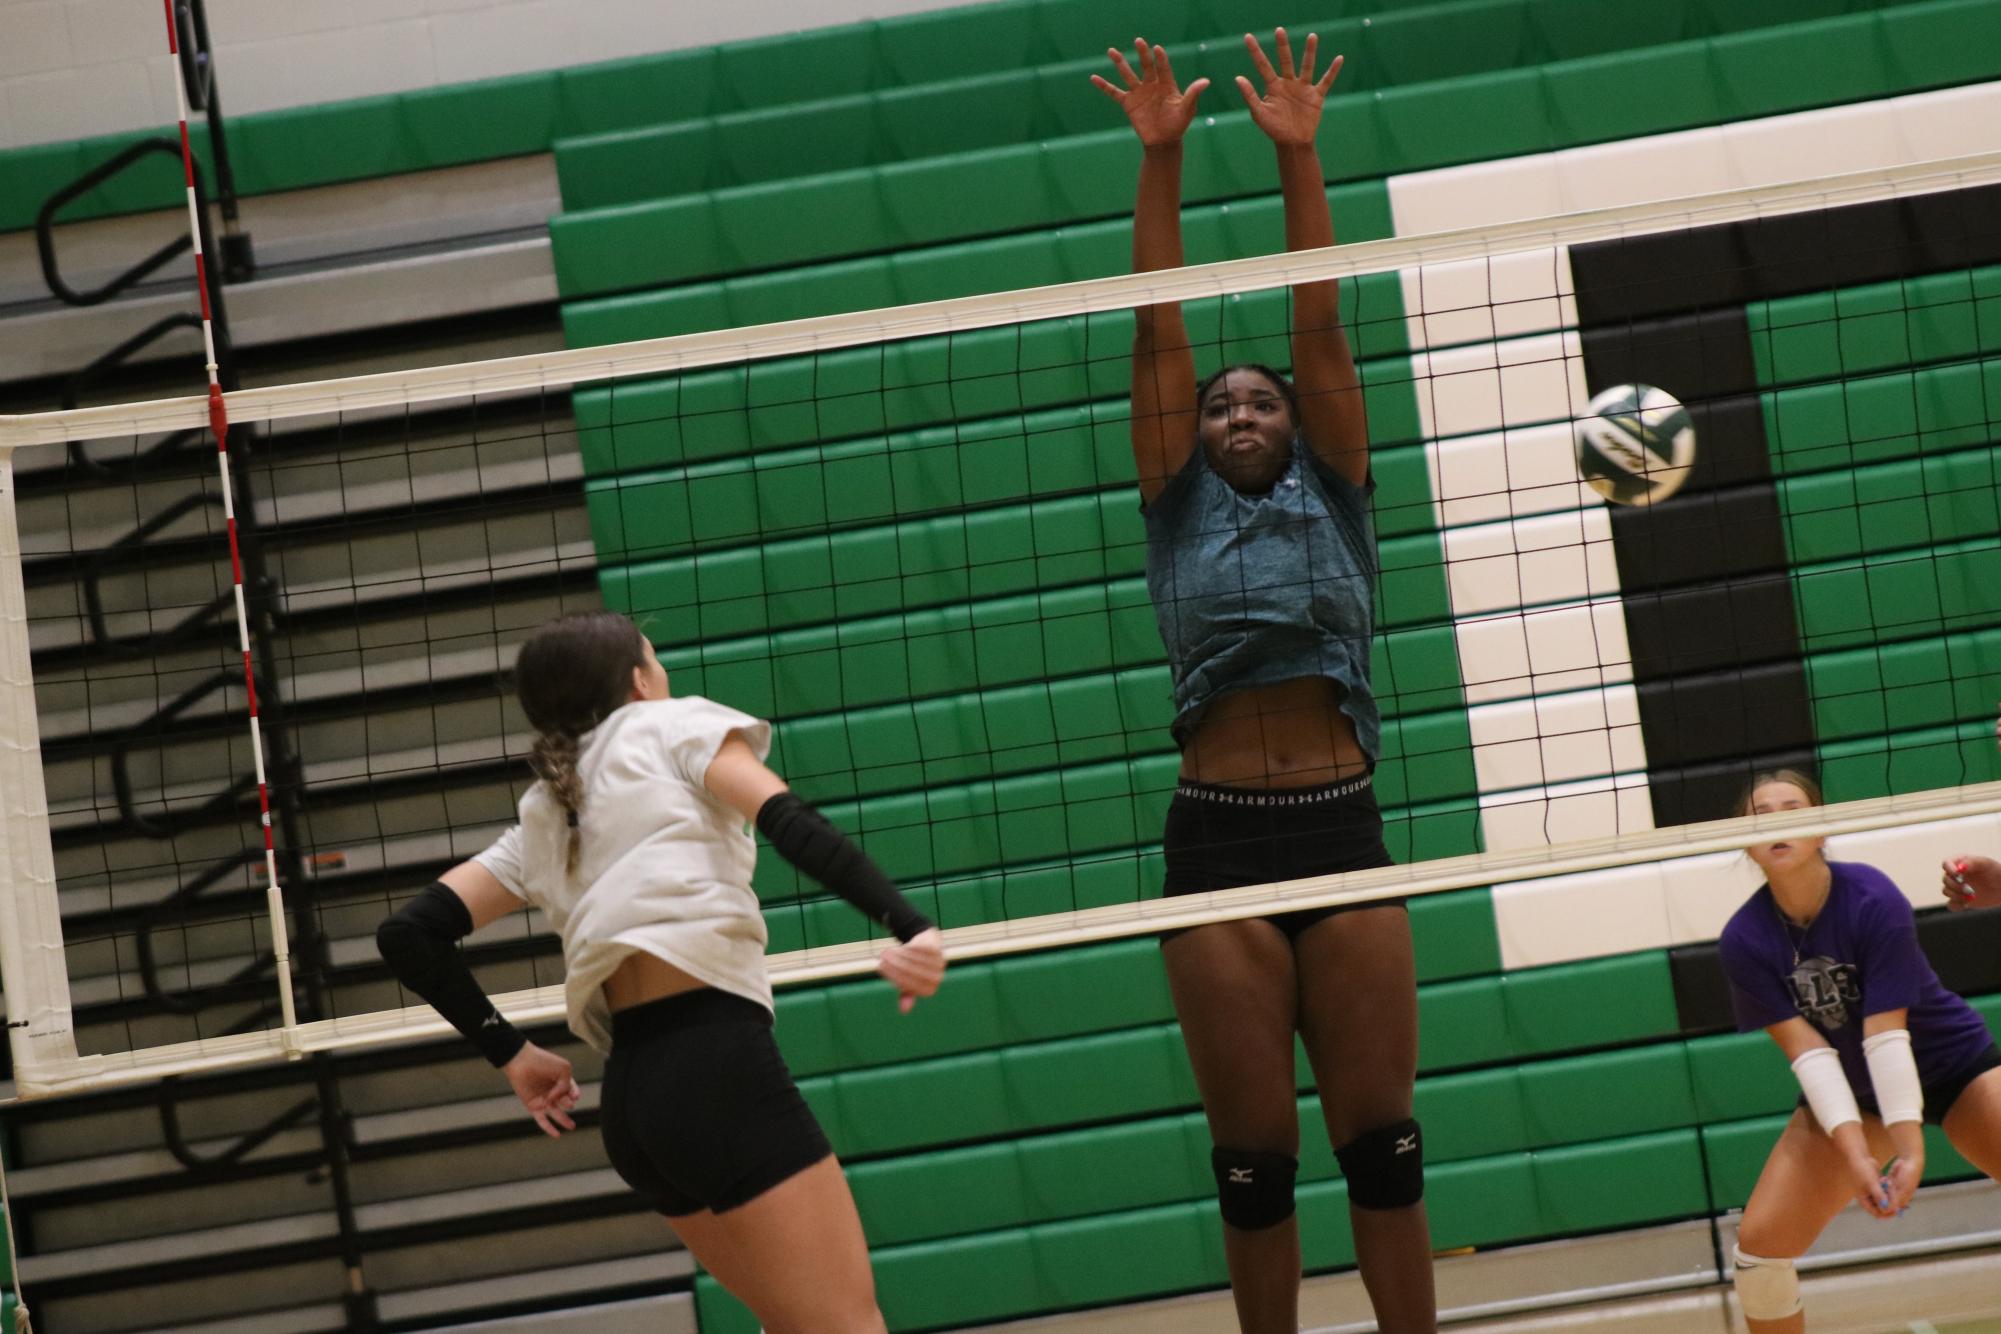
[218, 420]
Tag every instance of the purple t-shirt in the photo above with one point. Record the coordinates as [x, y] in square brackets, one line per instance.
[1860, 957]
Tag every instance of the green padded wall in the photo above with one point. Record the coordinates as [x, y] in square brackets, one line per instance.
[1879, 404]
[924, 562]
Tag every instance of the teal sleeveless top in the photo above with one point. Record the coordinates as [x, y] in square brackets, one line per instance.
[1253, 590]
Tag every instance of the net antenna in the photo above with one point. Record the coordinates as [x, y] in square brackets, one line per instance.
[218, 425]
[31, 949]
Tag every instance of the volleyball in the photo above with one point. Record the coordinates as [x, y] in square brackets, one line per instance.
[1636, 444]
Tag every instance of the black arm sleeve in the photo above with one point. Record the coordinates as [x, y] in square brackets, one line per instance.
[805, 838]
[419, 942]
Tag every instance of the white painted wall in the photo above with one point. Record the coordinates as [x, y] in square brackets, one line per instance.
[73, 68]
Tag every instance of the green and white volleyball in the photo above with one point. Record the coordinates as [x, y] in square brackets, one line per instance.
[1636, 444]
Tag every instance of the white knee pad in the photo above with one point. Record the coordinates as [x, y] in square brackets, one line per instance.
[1766, 1289]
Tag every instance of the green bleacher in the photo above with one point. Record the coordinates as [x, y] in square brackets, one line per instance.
[1879, 410]
[924, 561]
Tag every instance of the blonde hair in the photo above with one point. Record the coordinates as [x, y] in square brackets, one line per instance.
[1798, 779]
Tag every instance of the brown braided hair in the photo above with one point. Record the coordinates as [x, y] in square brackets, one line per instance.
[570, 676]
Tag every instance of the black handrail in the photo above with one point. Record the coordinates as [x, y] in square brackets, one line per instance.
[45, 222]
[74, 387]
[198, 68]
[249, 1142]
[95, 569]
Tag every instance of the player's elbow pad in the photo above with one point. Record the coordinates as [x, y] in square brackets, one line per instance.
[1826, 1087]
[807, 839]
[419, 942]
[1893, 1070]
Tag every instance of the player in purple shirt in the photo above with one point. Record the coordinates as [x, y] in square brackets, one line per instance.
[1825, 958]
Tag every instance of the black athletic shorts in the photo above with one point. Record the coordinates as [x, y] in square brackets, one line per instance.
[1227, 837]
[1941, 1094]
[699, 1111]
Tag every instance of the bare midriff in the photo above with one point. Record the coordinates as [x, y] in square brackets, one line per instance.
[1292, 734]
[641, 977]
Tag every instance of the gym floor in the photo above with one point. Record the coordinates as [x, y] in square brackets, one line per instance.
[1958, 1294]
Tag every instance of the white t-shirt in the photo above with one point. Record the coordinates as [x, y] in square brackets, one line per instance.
[663, 867]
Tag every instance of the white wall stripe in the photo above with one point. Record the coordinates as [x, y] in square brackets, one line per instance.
[1932, 126]
[1538, 816]
[1498, 296]
[1685, 902]
[1486, 386]
[1547, 559]
[1570, 646]
[1919, 127]
[1556, 738]
[1617, 912]
[1498, 375]
[1516, 473]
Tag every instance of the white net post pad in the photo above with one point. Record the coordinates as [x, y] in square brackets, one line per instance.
[32, 967]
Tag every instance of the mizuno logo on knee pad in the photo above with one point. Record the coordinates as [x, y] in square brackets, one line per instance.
[1254, 1188]
[1384, 1166]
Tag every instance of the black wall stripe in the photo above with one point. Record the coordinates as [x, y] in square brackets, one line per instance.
[1714, 268]
[1964, 949]
[1704, 578]
[1709, 609]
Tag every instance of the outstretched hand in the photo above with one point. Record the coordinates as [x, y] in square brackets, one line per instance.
[546, 1086]
[1289, 111]
[1159, 109]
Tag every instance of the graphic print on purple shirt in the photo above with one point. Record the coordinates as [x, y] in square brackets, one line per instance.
[1859, 957]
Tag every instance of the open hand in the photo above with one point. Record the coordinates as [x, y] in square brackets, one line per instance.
[1157, 106]
[914, 968]
[1289, 111]
[546, 1086]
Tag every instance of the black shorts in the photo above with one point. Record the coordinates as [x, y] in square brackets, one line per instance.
[699, 1111]
[1227, 837]
[1941, 1094]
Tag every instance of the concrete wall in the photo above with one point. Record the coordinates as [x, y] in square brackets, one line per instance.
[72, 68]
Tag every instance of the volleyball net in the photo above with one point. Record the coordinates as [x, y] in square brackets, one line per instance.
[911, 537]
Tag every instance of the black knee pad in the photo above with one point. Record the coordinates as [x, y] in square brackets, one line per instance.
[1384, 1166]
[1255, 1188]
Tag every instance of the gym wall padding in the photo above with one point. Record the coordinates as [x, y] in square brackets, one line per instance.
[923, 562]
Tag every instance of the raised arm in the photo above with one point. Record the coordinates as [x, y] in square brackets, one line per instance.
[1163, 377]
[1323, 367]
